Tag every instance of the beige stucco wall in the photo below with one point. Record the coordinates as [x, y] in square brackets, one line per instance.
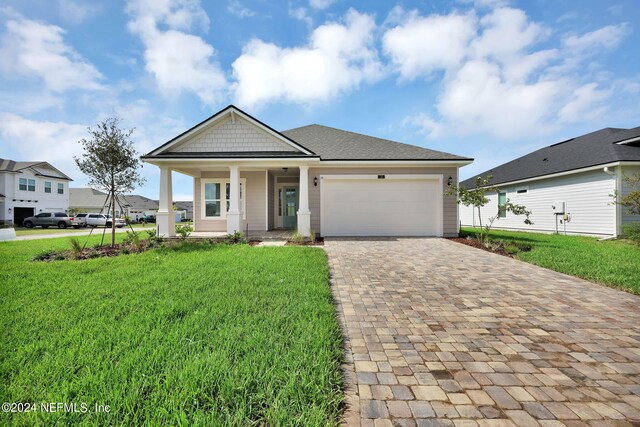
[256, 202]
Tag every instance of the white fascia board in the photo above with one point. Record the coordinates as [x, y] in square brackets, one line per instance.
[216, 118]
[571, 172]
[628, 141]
[176, 163]
[407, 163]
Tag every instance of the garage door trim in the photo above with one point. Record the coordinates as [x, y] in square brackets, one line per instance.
[409, 177]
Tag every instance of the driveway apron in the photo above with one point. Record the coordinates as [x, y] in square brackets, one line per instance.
[442, 334]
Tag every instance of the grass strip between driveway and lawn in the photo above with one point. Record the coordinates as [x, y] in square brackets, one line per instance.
[217, 335]
[615, 263]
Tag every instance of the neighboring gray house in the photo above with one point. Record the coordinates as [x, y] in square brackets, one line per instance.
[185, 208]
[334, 182]
[567, 185]
[29, 188]
[90, 200]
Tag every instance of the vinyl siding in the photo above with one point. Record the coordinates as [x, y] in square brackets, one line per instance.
[450, 226]
[586, 196]
[627, 218]
[255, 202]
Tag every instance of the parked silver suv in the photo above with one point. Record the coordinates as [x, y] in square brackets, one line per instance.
[103, 220]
[48, 219]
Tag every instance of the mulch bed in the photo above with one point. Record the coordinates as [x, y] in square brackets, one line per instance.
[476, 244]
[319, 242]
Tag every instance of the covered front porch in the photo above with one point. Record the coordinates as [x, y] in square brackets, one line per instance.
[259, 201]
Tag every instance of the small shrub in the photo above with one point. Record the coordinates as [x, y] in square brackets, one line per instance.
[494, 245]
[76, 247]
[133, 241]
[44, 255]
[183, 230]
[312, 235]
[632, 232]
[297, 238]
[93, 254]
[511, 249]
[235, 238]
[125, 250]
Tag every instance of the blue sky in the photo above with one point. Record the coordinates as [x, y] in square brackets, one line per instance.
[489, 79]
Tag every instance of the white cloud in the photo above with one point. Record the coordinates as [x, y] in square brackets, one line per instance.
[585, 104]
[76, 12]
[34, 49]
[338, 57]
[425, 125]
[488, 4]
[495, 80]
[321, 4]
[54, 142]
[236, 8]
[606, 37]
[300, 13]
[505, 32]
[422, 45]
[179, 61]
[479, 99]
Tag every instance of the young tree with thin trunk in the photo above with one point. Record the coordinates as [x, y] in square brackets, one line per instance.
[477, 197]
[111, 162]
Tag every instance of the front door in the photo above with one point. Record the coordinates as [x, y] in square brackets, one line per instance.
[290, 203]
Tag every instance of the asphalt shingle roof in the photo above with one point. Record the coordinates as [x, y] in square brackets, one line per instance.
[48, 170]
[336, 144]
[593, 149]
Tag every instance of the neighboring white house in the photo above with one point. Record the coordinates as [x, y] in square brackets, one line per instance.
[567, 186]
[246, 175]
[28, 188]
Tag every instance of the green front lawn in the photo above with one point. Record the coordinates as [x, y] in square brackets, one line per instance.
[615, 263]
[217, 335]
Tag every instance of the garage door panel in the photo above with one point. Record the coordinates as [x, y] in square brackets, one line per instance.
[369, 207]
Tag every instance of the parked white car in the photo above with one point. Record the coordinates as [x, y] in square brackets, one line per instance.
[103, 220]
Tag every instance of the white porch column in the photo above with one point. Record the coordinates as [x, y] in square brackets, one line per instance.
[304, 214]
[234, 214]
[165, 218]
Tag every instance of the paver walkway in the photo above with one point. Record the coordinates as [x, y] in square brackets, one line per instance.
[440, 333]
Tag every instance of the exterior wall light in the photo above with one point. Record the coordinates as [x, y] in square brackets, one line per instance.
[449, 181]
[315, 181]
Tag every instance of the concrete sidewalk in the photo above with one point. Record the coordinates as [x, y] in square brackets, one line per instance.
[96, 232]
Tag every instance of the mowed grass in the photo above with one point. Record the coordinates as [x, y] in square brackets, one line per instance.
[21, 231]
[226, 335]
[614, 263]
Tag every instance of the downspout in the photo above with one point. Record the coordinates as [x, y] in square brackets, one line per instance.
[616, 206]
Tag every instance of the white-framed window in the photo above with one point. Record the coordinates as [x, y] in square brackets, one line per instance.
[215, 198]
[60, 188]
[27, 184]
[47, 186]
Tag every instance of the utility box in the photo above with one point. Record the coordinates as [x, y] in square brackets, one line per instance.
[558, 208]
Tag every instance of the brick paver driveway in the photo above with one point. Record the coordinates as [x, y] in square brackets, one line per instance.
[440, 333]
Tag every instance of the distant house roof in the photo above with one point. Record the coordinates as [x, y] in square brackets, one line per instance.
[311, 141]
[596, 148]
[184, 205]
[95, 199]
[87, 198]
[140, 202]
[336, 144]
[44, 169]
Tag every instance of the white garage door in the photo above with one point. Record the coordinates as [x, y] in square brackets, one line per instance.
[365, 205]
